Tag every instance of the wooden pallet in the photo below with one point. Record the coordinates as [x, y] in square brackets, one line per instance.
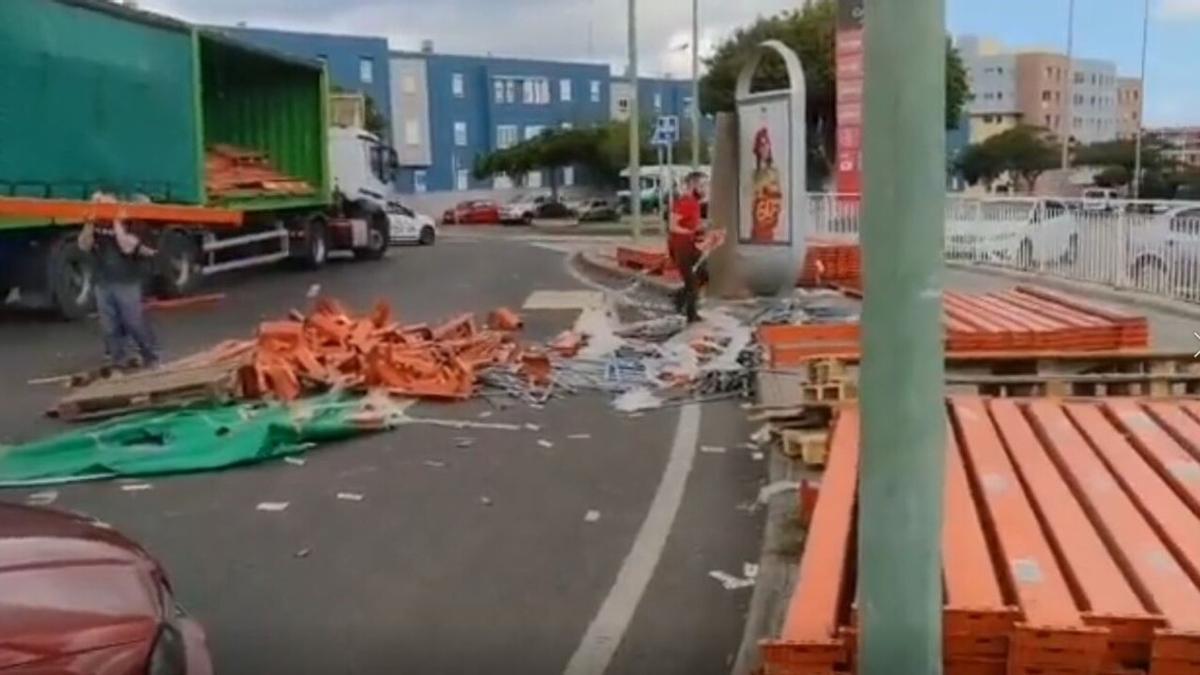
[809, 446]
[120, 394]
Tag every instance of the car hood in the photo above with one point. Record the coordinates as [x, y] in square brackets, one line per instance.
[70, 585]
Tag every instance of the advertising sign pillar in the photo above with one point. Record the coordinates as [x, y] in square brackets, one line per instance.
[772, 201]
[849, 85]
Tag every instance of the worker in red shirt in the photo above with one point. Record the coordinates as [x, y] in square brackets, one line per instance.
[683, 244]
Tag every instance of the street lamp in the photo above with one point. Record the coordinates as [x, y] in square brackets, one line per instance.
[1069, 122]
[635, 145]
[695, 111]
[1137, 150]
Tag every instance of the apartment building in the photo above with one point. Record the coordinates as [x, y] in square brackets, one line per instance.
[1183, 143]
[1129, 106]
[1040, 88]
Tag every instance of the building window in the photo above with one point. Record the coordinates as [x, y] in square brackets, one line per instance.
[999, 70]
[462, 179]
[506, 136]
[595, 91]
[988, 96]
[419, 184]
[1058, 97]
[564, 90]
[1045, 94]
[1093, 101]
[1049, 72]
[535, 90]
[457, 86]
[1047, 121]
[533, 131]
[568, 176]
[498, 89]
[658, 102]
[1079, 78]
[999, 96]
[1093, 79]
[1057, 121]
[510, 91]
[623, 105]
[460, 134]
[989, 119]
[412, 132]
[1136, 94]
[1077, 123]
[534, 179]
[409, 84]
[366, 70]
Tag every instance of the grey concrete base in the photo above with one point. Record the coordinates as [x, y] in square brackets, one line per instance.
[1177, 308]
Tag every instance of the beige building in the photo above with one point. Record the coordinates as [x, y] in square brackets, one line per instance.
[1041, 80]
[1129, 106]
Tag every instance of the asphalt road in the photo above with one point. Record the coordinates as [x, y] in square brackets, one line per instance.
[458, 560]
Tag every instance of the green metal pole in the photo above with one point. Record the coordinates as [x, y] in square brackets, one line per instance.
[903, 410]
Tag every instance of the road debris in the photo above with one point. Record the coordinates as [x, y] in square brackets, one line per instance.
[532, 427]
[579, 437]
[712, 449]
[486, 501]
[485, 414]
[591, 516]
[314, 291]
[350, 496]
[758, 456]
[463, 442]
[136, 487]
[43, 498]
[295, 461]
[730, 582]
[302, 553]
[272, 507]
[435, 464]
[778, 487]
[545, 443]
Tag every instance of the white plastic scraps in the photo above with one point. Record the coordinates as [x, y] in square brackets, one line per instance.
[272, 507]
[730, 582]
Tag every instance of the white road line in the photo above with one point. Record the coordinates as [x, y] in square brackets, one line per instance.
[604, 634]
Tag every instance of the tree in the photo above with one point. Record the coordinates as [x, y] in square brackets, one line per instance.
[1023, 152]
[810, 32]
[1113, 176]
[553, 150]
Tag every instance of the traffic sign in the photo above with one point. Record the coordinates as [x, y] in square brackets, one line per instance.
[666, 130]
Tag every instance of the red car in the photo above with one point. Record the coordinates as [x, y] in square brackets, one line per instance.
[478, 212]
[78, 598]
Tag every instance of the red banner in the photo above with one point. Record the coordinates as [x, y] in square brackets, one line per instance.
[849, 80]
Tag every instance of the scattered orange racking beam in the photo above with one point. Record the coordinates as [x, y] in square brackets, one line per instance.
[78, 211]
[810, 643]
[1176, 465]
[1052, 635]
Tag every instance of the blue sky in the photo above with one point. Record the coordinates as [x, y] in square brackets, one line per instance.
[1105, 29]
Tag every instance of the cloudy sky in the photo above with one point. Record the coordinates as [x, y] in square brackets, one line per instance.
[595, 30]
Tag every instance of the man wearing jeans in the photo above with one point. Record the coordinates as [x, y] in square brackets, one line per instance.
[686, 225]
[118, 258]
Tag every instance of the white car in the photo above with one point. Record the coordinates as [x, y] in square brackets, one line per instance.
[1023, 232]
[1164, 250]
[409, 227]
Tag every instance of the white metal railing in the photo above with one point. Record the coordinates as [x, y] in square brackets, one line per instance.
[1144, 245]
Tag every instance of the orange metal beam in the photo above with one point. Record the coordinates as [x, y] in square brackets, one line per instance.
[1161, 581]
[1087, 565]
[976, 620]
[78, 211]
[1176, 465]
[1053, 635]
[809, 643]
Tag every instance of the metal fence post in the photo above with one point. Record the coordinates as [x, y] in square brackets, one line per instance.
[903, 411]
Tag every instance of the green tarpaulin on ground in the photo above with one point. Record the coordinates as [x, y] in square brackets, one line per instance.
[182, 441]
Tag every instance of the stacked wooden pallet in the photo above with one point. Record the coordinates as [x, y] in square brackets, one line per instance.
[1071, 543]
[233, 172]
[829, 262]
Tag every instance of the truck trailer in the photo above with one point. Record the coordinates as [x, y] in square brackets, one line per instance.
[221, 148]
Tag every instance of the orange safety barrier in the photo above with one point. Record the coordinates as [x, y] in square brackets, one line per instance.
[78, 211]
[831, 263]
[810, 643]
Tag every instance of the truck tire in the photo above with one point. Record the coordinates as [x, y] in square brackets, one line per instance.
[378, 238]
[178, 267]
[70, 279]
[316, 244]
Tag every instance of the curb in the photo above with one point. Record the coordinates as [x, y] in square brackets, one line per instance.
[778, 566]
[596, 264]
[1176, 308]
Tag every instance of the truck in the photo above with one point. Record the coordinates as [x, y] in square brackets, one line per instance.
[220, 149]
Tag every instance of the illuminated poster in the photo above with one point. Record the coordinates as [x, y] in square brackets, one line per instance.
[765, 169]
[849, 78]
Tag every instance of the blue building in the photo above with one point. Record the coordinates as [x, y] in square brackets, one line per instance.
[450, 109]
[661, 97]
[354, 63]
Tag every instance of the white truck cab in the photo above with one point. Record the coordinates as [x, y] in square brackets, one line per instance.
[364, 169]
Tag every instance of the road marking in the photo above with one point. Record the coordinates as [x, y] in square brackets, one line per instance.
[604, 635]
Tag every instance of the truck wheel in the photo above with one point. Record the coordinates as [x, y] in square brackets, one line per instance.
[378, 238]
[179, 269]
[428, 236]
[316, 245]
[70, 280]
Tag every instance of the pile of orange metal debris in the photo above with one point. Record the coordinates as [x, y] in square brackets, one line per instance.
[237, 172]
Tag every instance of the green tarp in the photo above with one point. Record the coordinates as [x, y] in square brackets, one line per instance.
[158, 443]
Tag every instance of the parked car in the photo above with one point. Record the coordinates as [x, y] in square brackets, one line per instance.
[598, 210]
[408, 226]
[1164, 250]
[522, 209]
[1100, 199]
[476, 212]
[1023, 232]
[76, 596]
